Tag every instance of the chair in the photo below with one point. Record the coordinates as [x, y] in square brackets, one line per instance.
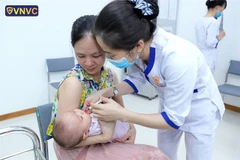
[43, 114]
[38, 154]
[58, 65]
[230, 89]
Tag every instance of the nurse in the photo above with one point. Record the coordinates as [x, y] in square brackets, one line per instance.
[189, 100]
[207, 31]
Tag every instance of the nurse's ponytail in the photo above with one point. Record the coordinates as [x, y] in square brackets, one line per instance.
[122, 23]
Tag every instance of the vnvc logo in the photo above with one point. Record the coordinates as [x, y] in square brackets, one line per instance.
[21, 10]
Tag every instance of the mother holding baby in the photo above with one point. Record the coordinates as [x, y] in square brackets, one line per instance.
[88, 76]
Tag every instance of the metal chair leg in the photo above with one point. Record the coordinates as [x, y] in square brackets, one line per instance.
[28, 132]
[45, 150]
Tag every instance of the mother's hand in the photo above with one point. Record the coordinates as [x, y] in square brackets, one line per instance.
[129, 137]
[108, 111]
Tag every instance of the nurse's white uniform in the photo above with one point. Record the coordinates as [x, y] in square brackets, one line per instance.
[207, 30]
[188, 95]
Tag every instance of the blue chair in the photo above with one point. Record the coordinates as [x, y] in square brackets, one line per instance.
[43, 114]
[230, 89]
[58, 65]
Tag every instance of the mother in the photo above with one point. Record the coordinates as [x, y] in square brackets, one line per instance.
[89, 76]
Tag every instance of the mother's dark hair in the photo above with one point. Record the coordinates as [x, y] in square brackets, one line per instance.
[82, 27]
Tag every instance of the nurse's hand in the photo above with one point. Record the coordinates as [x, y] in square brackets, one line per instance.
[93, 98]
[221, 35]
[129, 137]
[108, 111]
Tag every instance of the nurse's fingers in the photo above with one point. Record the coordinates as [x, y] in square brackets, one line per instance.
[86, 104]
[105, 100]
[96, 106]
[97, 111]
[99, 117]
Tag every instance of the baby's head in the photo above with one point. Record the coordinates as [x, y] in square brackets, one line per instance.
[71, 128]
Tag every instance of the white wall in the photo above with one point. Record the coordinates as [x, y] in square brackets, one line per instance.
[188, 14]
[26, 42]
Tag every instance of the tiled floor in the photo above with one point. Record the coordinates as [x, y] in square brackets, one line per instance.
[227, 143]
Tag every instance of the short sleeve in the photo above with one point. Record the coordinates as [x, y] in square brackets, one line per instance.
[135, 78]
[180, 74]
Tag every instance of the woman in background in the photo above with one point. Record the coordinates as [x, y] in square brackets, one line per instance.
[208, 33]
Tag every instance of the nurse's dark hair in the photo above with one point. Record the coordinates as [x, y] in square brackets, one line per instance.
[82, 27]
[213, 3]
[121, 26]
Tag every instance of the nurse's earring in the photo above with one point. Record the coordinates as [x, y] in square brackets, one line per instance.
[138, 54]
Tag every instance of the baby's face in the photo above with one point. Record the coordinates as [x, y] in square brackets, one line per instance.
[82, 119]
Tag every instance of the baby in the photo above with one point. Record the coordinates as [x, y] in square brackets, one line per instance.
[74, 126]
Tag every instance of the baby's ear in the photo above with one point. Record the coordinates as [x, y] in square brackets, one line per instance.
[85, 135]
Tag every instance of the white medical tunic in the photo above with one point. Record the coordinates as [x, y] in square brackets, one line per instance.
[188, 95]
[207, 30]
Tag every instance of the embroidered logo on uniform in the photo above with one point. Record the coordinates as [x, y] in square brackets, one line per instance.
[157, 81]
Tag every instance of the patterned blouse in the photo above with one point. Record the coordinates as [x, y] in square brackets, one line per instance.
[89, 86]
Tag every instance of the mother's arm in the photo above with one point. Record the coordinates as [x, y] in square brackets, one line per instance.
[69, 94]
[69, 97]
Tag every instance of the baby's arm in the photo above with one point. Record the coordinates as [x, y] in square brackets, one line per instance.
[107, 133]
[93, 140]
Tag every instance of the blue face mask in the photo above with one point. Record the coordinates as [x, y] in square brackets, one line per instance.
[122, 63]
[218, 15]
